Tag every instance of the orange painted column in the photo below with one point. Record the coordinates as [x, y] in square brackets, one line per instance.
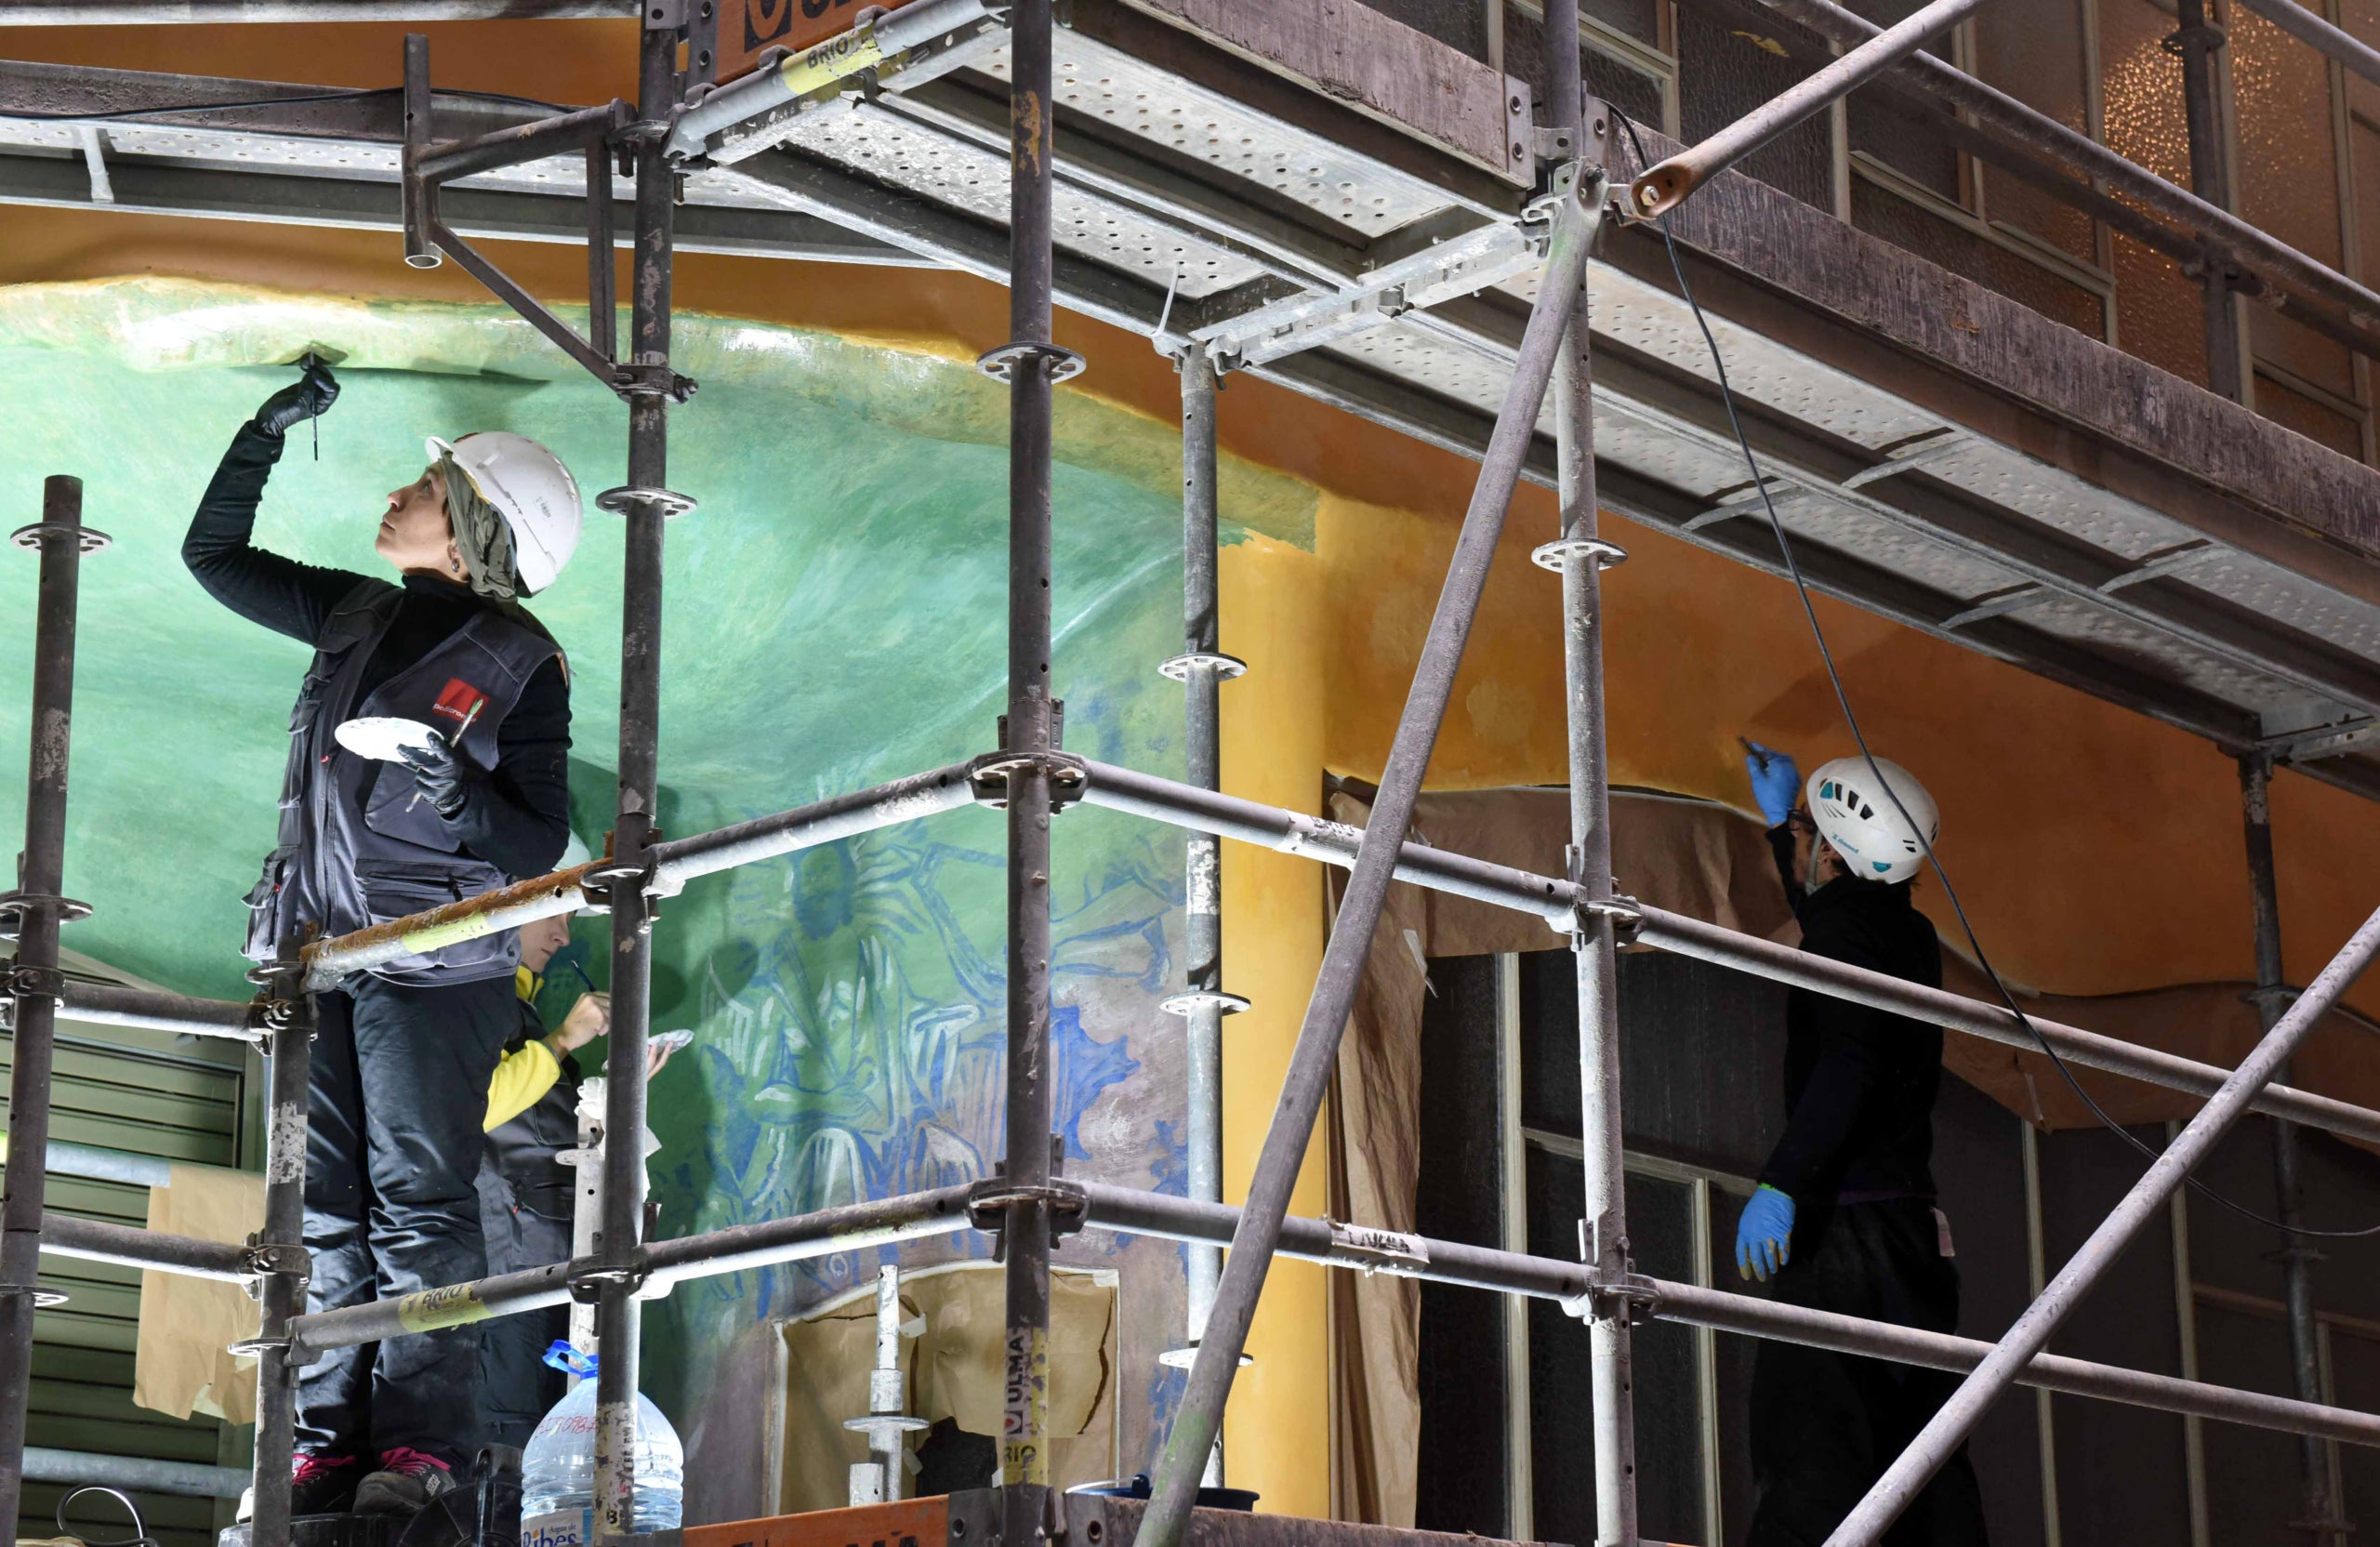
[1276, 1431]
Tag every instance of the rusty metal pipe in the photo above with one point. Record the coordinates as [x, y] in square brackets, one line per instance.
[40, 907]
[547, 136]
[675, 863]
[162, 13]
[1661, 188]
[330, 961]
[2225, 233]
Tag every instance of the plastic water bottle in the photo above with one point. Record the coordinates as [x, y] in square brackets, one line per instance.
[558, 1467]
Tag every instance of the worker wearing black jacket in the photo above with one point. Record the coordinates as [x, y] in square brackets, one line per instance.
[1845, 1217]
[403, 1055]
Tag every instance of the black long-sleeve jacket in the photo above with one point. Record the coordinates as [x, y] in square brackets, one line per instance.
[517, 819]
[1860, 1083]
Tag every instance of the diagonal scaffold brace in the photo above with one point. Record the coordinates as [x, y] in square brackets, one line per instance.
[1901, 1483]
[1574, 209]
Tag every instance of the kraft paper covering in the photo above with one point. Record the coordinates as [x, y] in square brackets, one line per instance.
[181, 1363]
[954, 1368]
[1684, 855]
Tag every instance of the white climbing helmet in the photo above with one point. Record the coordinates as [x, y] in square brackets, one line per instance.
[531, 490]
[1861, 822]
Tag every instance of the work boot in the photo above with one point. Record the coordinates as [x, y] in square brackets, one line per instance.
[317, 1485]
[406, 1481]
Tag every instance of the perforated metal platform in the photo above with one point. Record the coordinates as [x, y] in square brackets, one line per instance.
[1359, 239]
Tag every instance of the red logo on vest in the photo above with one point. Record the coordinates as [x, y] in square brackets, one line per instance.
[461, 701]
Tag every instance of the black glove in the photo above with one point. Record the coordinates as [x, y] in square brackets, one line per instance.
[440, 776]
[311, 395]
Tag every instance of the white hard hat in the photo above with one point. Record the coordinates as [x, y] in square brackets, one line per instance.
[531, 490]
[1861, 822]
[573, 854]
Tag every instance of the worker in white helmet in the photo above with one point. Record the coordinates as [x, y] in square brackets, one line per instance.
[1844, 1218]
[469, 791]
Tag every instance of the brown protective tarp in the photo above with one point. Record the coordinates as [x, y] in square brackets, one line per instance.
[182, 1364]
[955, 1367]
[1710, 862]
[1684, 855]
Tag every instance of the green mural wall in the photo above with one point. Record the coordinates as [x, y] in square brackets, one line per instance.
[833, 619]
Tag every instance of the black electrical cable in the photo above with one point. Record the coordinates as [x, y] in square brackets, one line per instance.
[1809, 611]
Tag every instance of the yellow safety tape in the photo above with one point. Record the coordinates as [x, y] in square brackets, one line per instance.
[823, 64]
[422, 942]
[1025, 1420]
[455, 1305]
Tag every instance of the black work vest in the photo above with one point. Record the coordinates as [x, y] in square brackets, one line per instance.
[523, 1149]
[360, 844]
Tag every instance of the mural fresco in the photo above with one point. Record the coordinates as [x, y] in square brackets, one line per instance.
[834, 620]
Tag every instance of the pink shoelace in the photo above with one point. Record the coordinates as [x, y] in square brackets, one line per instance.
[411, 1462]
[311, 1466]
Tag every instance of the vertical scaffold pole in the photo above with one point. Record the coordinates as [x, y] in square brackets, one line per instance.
[1573, 209]
[1581, 555]
[2200, 47]
[1202, 668]
[644, 504]
[38, 908]
[1030, 361]
[281, 1250]
[2319, 1512]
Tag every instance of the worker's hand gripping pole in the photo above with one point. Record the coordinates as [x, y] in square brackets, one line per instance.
[1574, 210]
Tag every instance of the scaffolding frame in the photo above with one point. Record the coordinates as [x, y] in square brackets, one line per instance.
[1030, 1204]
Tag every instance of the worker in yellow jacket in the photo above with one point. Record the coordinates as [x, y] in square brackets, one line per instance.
[524, 1190]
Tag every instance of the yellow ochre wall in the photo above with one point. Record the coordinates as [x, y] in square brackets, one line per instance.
[2098, 852]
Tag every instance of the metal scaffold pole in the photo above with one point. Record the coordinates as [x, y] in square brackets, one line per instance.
[38, 908]
[1574, 212]
[2200, 47]
[1908, 1474]
[2318, 1515]
[644, 504]
[1581, 555]
[280, 1250]
[1030, 363]
[1202, 669]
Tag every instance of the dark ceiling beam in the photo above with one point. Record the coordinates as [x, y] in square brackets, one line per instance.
[157, 13]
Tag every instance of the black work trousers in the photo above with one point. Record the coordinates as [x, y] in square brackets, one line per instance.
[395, 1119]
[517, 1387]
[1825, 1425]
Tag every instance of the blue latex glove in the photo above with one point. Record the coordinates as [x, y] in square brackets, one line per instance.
[1775, 783]
[1765, 1235]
